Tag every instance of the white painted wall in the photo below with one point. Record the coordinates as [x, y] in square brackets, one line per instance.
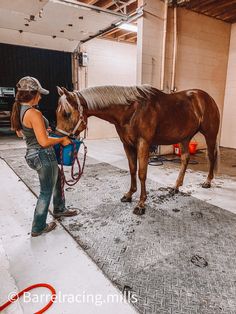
[202, 52]
[149, 43]
[228, 134]
[203, 47]
[110, 63]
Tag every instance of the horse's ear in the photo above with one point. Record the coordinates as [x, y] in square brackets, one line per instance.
[65, 91]
[60, 91]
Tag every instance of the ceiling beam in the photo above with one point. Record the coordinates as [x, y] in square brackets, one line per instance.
[221, 8]
[196, 4]
[131, 40]
[92, 2]
[112, 32]
[120, 32]
[124, 35]
[124, 5]
[131, 36]
[105, 3]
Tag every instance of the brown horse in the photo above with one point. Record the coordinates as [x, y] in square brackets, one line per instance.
[144, 116]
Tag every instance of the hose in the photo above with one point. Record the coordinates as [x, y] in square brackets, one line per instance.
[159, 161]
[38, 285]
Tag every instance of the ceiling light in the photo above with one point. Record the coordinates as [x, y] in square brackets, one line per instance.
[129, 27]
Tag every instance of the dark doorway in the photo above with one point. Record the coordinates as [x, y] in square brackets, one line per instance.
[50, 67]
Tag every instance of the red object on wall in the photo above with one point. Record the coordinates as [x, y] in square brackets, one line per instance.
[192, 148]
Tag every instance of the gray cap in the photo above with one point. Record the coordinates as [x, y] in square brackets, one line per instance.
[29, 83]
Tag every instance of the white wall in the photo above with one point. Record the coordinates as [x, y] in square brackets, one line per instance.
[149, 43]
[228, 135]
[202, 52]
[203, 47]
[110, 63]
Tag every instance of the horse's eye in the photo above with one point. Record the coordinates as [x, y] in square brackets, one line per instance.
[67, 114]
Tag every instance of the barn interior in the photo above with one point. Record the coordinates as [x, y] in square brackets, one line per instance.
[179, 256]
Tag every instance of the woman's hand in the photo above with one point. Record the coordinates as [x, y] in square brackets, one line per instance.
[65, 141]
[19, 133]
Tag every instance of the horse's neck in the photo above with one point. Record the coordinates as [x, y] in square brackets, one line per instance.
[102, 114]
[114, 114]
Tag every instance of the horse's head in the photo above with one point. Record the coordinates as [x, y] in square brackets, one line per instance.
[71, 117]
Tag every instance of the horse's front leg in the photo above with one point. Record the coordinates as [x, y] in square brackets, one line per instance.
[131, 153]
[143, 155]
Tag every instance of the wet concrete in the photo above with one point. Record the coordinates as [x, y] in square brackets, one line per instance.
[177, 258]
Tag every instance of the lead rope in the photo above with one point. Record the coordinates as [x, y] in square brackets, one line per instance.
[75, 177]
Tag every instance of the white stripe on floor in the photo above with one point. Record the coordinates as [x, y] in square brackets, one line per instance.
[53, 258]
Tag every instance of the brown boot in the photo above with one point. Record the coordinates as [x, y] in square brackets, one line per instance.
[49, 227]
[66, 213]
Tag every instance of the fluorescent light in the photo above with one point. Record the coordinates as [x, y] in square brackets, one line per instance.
[129, 27]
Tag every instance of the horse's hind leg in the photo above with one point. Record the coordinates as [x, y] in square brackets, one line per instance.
[184, 163]
[131, 154]
[212, 156]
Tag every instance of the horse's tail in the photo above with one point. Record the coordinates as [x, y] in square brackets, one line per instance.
[217, 144]
[217, 154]
[211, 130]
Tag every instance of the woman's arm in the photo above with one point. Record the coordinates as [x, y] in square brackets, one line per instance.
[35, 119]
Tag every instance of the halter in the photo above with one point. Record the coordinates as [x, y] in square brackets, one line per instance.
[81, 119]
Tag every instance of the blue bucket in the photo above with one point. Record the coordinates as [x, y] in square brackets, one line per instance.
[67, 151]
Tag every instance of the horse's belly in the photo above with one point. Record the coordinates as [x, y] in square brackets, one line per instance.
[163, 141]
[176, 136]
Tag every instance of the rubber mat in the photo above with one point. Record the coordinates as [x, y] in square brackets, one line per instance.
[179, 257]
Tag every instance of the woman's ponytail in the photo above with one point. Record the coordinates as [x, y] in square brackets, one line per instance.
[15, 116]
[21, 97]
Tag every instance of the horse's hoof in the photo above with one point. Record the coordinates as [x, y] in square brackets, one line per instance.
[126, 199]
[206, 185]
[174, 191]
[139, 211]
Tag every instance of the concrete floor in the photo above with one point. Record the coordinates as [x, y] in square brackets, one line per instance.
[25, 261]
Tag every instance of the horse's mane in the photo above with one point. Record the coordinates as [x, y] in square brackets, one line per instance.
[100, 97]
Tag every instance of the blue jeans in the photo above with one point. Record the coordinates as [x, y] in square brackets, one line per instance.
[44, 162]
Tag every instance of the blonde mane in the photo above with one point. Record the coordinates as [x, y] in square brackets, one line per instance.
[100, 97]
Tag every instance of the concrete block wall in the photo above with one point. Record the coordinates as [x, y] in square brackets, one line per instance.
[149, 43]
[110, 63]
[203, 46]
[228, 134]
[202, 53]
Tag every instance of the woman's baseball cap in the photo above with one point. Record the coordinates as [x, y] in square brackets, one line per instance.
[29, 83]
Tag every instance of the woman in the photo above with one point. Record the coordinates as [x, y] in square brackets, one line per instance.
[40, 155]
